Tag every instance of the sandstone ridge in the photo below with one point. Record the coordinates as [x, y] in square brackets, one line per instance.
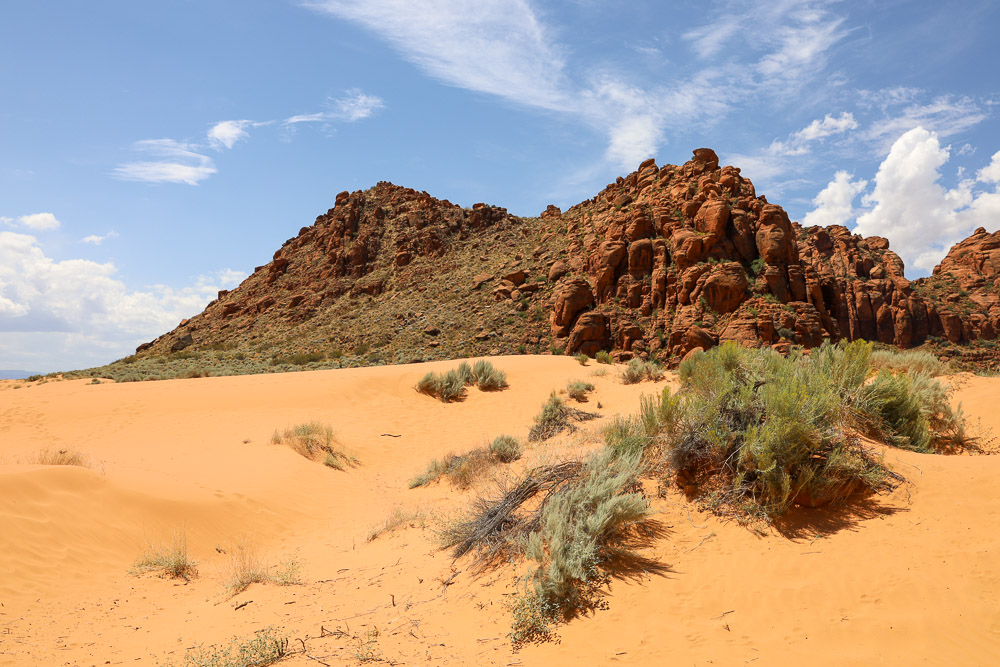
[662, 261]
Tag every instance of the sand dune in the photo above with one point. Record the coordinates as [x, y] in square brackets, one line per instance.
[907, 578]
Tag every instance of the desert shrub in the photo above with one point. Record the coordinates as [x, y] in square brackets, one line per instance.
[626, 436]
[604, 357]
[171, 559]
[638, 370]
[450, 386]
[764, 431]
[577, 390]
[463, 470]
[581, 527]
[914, 410]
[361, 349]
[266, 647]
[505, 448]
[556, 416]
[314, 440]
[61, 457]
[487, 377]
[582, 359]
[909, 361]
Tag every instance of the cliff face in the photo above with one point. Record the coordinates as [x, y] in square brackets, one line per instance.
[662, 261]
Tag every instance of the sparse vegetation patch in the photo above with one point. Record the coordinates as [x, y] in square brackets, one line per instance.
[171, 559]
[451, 386]
[555, 417]
[316, 441]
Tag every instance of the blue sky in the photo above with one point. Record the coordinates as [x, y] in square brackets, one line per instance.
[152, 153]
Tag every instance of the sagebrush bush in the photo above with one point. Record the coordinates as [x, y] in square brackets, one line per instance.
[637, 370]
[577, 390]
[581, 527]
[555, 416]
[604, 357]
[582, 359]
[767, 431]
[451, 386]
[505, 448]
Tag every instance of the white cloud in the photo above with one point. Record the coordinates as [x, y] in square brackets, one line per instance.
[945, 115]
[798, 142]
[82, 310]
[991, 172]
[180, 163]
[38, 222]
[228, 132]
[353, 106]
[921, 218]
[835, 202]
[95, 239]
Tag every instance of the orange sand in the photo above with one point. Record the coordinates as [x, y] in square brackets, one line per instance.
[913, 578]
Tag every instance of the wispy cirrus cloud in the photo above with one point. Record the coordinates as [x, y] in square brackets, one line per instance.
[798, 143]
[185, 162]
[503, 48]
[353, 106]
[177, 162]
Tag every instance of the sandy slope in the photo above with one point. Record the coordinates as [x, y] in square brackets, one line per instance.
[911, 578]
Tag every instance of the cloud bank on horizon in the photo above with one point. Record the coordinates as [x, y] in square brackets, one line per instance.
[841, 113]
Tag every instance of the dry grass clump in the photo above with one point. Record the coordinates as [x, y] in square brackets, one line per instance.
[396, 519]
[61, 457]
[170, 559]
[266, 647]
[908, 361]
[604, 357]
[577, 390]
[463, 470]
[637, 370]
[316, 441]
[247, 567]
[451, 386]
[555, 417]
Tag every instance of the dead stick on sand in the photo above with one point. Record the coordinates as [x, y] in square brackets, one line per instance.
[241, 605]
[723, 615]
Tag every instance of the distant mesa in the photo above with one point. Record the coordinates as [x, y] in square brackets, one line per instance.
[660, 262]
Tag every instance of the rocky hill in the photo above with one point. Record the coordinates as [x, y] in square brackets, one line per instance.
[662, 261]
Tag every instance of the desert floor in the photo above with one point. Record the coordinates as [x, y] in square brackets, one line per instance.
[908, 578]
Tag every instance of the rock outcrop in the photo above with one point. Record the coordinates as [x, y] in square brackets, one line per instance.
[661, 262]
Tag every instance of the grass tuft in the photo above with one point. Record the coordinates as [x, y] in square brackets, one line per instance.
[638, 370]
[577, 390]
[582, 359]
[61, 457]
[315, 441]
[604, 357]
[266, 647]
[171, 560]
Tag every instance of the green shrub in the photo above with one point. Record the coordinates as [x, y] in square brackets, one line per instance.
[487, 377]
[767, 431]
[577, 390]
[638, 370]
[555, 416]
[505, 448]
[581, 527]
[582, 359]
[604, 357]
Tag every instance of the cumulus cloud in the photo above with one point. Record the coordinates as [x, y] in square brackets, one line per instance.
[97, 239]
[835, 202]
[921, 218]
[81, 308]
[177, 162]
[39, 222]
